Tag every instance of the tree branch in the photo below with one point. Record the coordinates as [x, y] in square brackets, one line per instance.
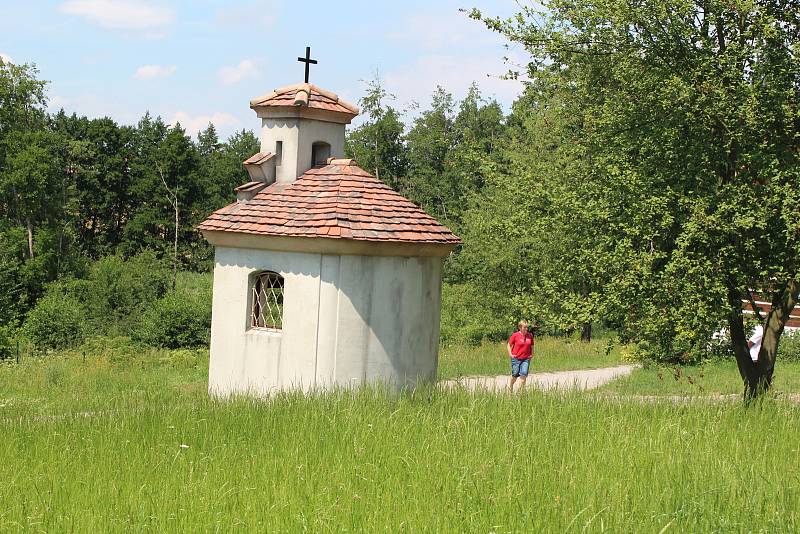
[756, 309]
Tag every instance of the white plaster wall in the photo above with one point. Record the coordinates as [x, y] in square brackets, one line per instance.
[388, 320]
[298, 135]
[312, 131]
[250, 360]
[286, 130]
[348, 320]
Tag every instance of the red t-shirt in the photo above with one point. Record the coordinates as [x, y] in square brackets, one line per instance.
[521, 347]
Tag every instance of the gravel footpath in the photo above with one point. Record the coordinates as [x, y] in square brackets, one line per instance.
[583, 379]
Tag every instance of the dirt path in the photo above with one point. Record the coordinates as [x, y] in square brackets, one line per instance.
[580, 379]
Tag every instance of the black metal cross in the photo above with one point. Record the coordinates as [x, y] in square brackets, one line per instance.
[307, 60]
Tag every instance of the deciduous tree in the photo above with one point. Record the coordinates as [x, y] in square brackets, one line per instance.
[691, 111]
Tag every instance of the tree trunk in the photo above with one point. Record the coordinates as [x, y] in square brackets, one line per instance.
[30, 236]
[586, 332]
[783, 303]
[175, 247]
[376, 153]
[172, 196]
[586, 328]
[757, 376]
[754, 382]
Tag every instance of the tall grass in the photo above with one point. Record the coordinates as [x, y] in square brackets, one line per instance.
[99, 373]
[127, 440]
[712, 377]
[430, 461]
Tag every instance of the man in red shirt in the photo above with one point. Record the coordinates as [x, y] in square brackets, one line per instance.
[520, 348]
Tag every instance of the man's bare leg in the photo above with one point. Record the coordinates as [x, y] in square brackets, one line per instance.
[522, 383]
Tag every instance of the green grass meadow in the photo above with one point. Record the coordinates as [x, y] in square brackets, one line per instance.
[127, 440]
[711, 378]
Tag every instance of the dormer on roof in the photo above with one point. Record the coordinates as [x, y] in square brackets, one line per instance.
[302, 125]
[261, 167]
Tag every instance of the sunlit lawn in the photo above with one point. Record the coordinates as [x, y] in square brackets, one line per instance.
[711, 378]
[127, 440]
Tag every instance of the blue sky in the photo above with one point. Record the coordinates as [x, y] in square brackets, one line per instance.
[201, 61]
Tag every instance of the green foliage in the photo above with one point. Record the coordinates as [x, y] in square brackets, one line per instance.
[118, 290]
[8, 341]
[789, 349]
[192, 282]
[22, 100]
[671, 129]
[73, 188]
[58, 321]
[377, 144]
[470, 315]
[107, 301]
[442, 162]
[179, 319]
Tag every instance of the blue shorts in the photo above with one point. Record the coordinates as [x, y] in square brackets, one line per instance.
[519, 367]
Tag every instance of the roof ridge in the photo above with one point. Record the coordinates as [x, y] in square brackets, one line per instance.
[338, 219]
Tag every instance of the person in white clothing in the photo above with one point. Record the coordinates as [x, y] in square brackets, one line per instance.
[754, 343]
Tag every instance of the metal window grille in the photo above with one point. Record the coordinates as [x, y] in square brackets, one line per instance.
[267, 310]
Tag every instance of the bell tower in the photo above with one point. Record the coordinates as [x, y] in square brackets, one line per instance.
[302, 126]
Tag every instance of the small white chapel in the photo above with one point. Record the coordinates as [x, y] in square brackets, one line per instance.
[324, 276]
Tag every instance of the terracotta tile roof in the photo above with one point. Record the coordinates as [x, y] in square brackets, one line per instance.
[305, 95]
[249, 186]
[258, 158]
[339, 201]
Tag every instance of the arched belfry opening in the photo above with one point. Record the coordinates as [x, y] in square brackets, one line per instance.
[320, 152]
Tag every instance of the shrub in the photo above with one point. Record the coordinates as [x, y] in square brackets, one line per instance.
[57, 321]
[7, 341]
[468, 316]
[118, 289]
[789, 347]
[178, 320]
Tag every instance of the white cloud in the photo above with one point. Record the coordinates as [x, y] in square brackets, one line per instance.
[452, 50]
[133, 15]
[57, 102]
[224, 122]
[416, 81]
[148, 72]
[259, 14]
[93, 104]
[247, 68]
[6, 58]
[441, 29]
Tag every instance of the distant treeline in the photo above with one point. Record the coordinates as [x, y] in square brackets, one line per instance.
[74, 190]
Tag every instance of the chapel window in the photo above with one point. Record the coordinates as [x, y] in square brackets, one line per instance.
[267, 296]
[320, 152]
